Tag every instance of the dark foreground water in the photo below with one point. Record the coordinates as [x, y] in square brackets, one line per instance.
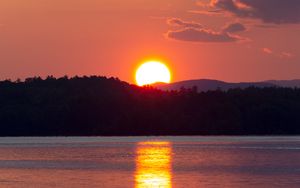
[145, 162]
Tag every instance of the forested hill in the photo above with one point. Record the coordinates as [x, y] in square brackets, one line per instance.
[107, 106]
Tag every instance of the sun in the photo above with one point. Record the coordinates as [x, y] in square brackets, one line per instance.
[152, 72]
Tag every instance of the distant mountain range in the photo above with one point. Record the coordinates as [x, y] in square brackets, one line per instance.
[207, 84]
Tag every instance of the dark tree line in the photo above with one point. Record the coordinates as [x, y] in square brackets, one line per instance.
[107, 106]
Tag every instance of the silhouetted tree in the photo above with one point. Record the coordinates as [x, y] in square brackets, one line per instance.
[107, 106]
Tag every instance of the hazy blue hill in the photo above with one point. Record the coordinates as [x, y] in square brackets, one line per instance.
[206, 85]
[285, 83]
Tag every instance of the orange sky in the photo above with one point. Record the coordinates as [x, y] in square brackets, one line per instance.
[111, 37]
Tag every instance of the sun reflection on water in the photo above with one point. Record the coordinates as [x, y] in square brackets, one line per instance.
[153, 165]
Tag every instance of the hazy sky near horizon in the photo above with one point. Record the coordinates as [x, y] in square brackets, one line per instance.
[230, 40]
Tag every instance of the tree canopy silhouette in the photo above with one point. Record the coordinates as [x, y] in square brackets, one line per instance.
[107, 106]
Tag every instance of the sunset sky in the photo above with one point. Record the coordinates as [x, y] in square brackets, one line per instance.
[230, 40]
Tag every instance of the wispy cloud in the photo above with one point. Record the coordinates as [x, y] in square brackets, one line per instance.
[267, 50]
[284, 54]
[268, 11]
[195, 32]
[201, 35]
[181, 23]
[234, 28]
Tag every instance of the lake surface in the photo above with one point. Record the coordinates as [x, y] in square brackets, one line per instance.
[146, 162]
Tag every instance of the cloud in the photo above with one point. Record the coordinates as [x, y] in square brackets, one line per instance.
[286, 55]
[195, 32]
[181, 23]
[206, 12]
[201, 35]
[268, 11]
[267, 50]
[234, 27]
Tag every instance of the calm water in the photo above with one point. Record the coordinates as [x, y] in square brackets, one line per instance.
[145, 162]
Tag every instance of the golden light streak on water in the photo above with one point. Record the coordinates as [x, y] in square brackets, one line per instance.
[153, 165]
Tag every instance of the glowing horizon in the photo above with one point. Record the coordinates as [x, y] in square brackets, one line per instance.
[110, 37]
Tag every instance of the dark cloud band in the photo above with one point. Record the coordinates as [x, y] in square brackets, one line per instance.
[234, 28]
[180, 23]
[269, 11]
[201, 35]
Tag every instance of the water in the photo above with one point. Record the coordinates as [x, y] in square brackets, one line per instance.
[146, 162]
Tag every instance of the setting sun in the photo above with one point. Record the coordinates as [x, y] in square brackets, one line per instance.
[152, 72]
